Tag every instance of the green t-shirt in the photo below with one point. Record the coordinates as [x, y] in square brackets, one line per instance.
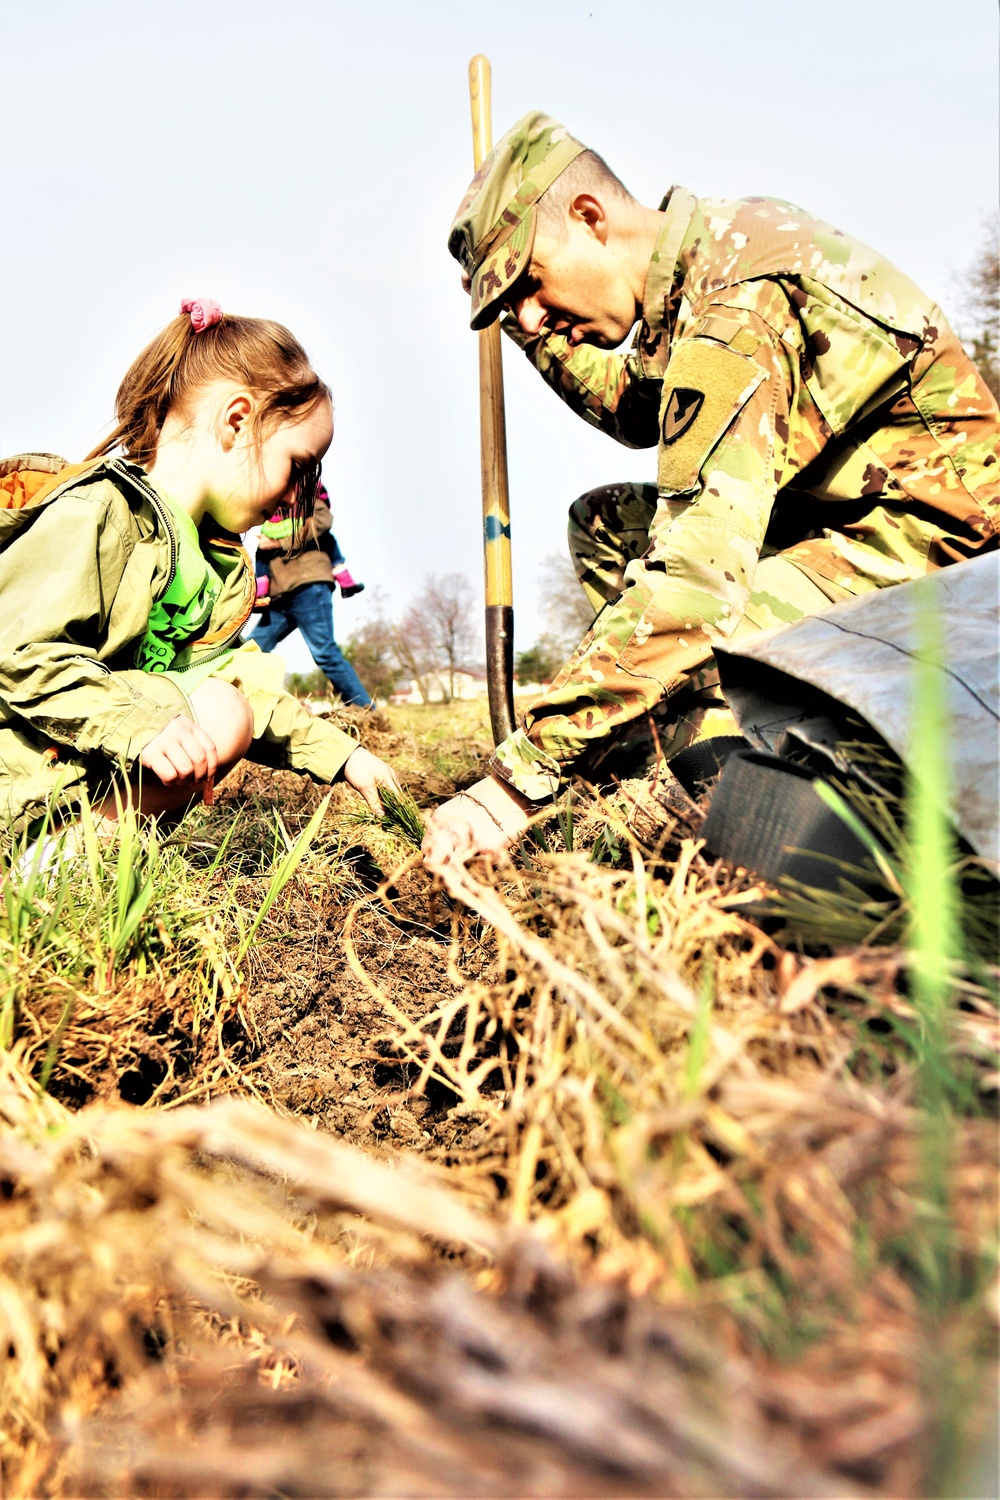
[182, 613]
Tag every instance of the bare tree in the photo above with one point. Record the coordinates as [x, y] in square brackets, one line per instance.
[443, 612]
[413, 648]
[433, 637]
[371, 651]
[979, 306]
[389, 649]
[566, 608]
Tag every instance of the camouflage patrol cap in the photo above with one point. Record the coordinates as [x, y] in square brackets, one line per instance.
[494, 228]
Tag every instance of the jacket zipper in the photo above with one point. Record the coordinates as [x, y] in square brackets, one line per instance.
[157, 504]
[217, 650]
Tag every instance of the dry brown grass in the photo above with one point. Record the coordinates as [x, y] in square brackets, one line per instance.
[672, 1231]
[213, 1301]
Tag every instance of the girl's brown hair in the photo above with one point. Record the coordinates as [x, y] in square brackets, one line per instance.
[253, 352]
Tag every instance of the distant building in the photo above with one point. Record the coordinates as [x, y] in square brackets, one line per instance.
[470, 682]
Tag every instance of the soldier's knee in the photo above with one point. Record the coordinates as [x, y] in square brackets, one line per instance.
[614, 508]
[592, 506]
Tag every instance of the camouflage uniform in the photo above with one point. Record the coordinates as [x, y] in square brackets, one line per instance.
[820, 433]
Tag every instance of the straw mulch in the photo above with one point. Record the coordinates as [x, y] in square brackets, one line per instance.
[675, 1231]
[217, 1302]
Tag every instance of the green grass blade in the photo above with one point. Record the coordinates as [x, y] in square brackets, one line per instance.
[223, 847]
[136, 911]
[698, 1041]
[837, 804]
[91, 843]
[564, 817]
[284, 873]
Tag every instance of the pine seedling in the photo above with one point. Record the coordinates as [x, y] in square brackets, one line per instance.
[400, 815]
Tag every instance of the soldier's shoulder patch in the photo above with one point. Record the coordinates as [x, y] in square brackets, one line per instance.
[705, 386]
[679, 411]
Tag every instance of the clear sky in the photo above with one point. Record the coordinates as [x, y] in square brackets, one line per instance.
[302, 159]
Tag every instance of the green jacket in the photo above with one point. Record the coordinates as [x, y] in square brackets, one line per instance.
[76, 585]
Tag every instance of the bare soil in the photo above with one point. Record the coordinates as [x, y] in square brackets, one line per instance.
[321, 1044]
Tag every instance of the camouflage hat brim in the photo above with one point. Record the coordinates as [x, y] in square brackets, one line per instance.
[493, 231]
[499, 271]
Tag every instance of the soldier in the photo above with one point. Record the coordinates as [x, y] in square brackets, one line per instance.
[820, 432]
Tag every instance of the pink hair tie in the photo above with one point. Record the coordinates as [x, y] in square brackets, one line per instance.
[203, 312]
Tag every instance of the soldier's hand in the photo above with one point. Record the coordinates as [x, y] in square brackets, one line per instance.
[180, 753]
[366, 773]
[486, 819]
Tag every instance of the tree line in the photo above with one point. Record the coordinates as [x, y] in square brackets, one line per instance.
[978, 306]
[440, 634]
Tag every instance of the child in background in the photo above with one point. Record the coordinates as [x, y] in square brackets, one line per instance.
[277, 535]
[302, 573]
[125, 587]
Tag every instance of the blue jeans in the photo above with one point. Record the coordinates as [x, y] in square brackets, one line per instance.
[310, 609]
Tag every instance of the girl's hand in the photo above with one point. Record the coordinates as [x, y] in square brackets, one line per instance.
[366, 773]
[180, 753]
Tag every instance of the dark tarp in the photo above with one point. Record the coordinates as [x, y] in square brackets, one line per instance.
[862, 654]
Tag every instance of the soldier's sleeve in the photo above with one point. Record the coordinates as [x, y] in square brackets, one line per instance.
[723, 434]
[603, 389]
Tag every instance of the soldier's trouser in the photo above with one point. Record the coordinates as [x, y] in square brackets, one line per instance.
[609, 528]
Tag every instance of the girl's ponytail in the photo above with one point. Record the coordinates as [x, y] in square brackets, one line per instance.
[147, 393]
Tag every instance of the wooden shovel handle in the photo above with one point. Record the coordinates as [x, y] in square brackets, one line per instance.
[493, 463]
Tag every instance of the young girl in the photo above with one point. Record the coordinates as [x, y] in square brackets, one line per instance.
[125, 588]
